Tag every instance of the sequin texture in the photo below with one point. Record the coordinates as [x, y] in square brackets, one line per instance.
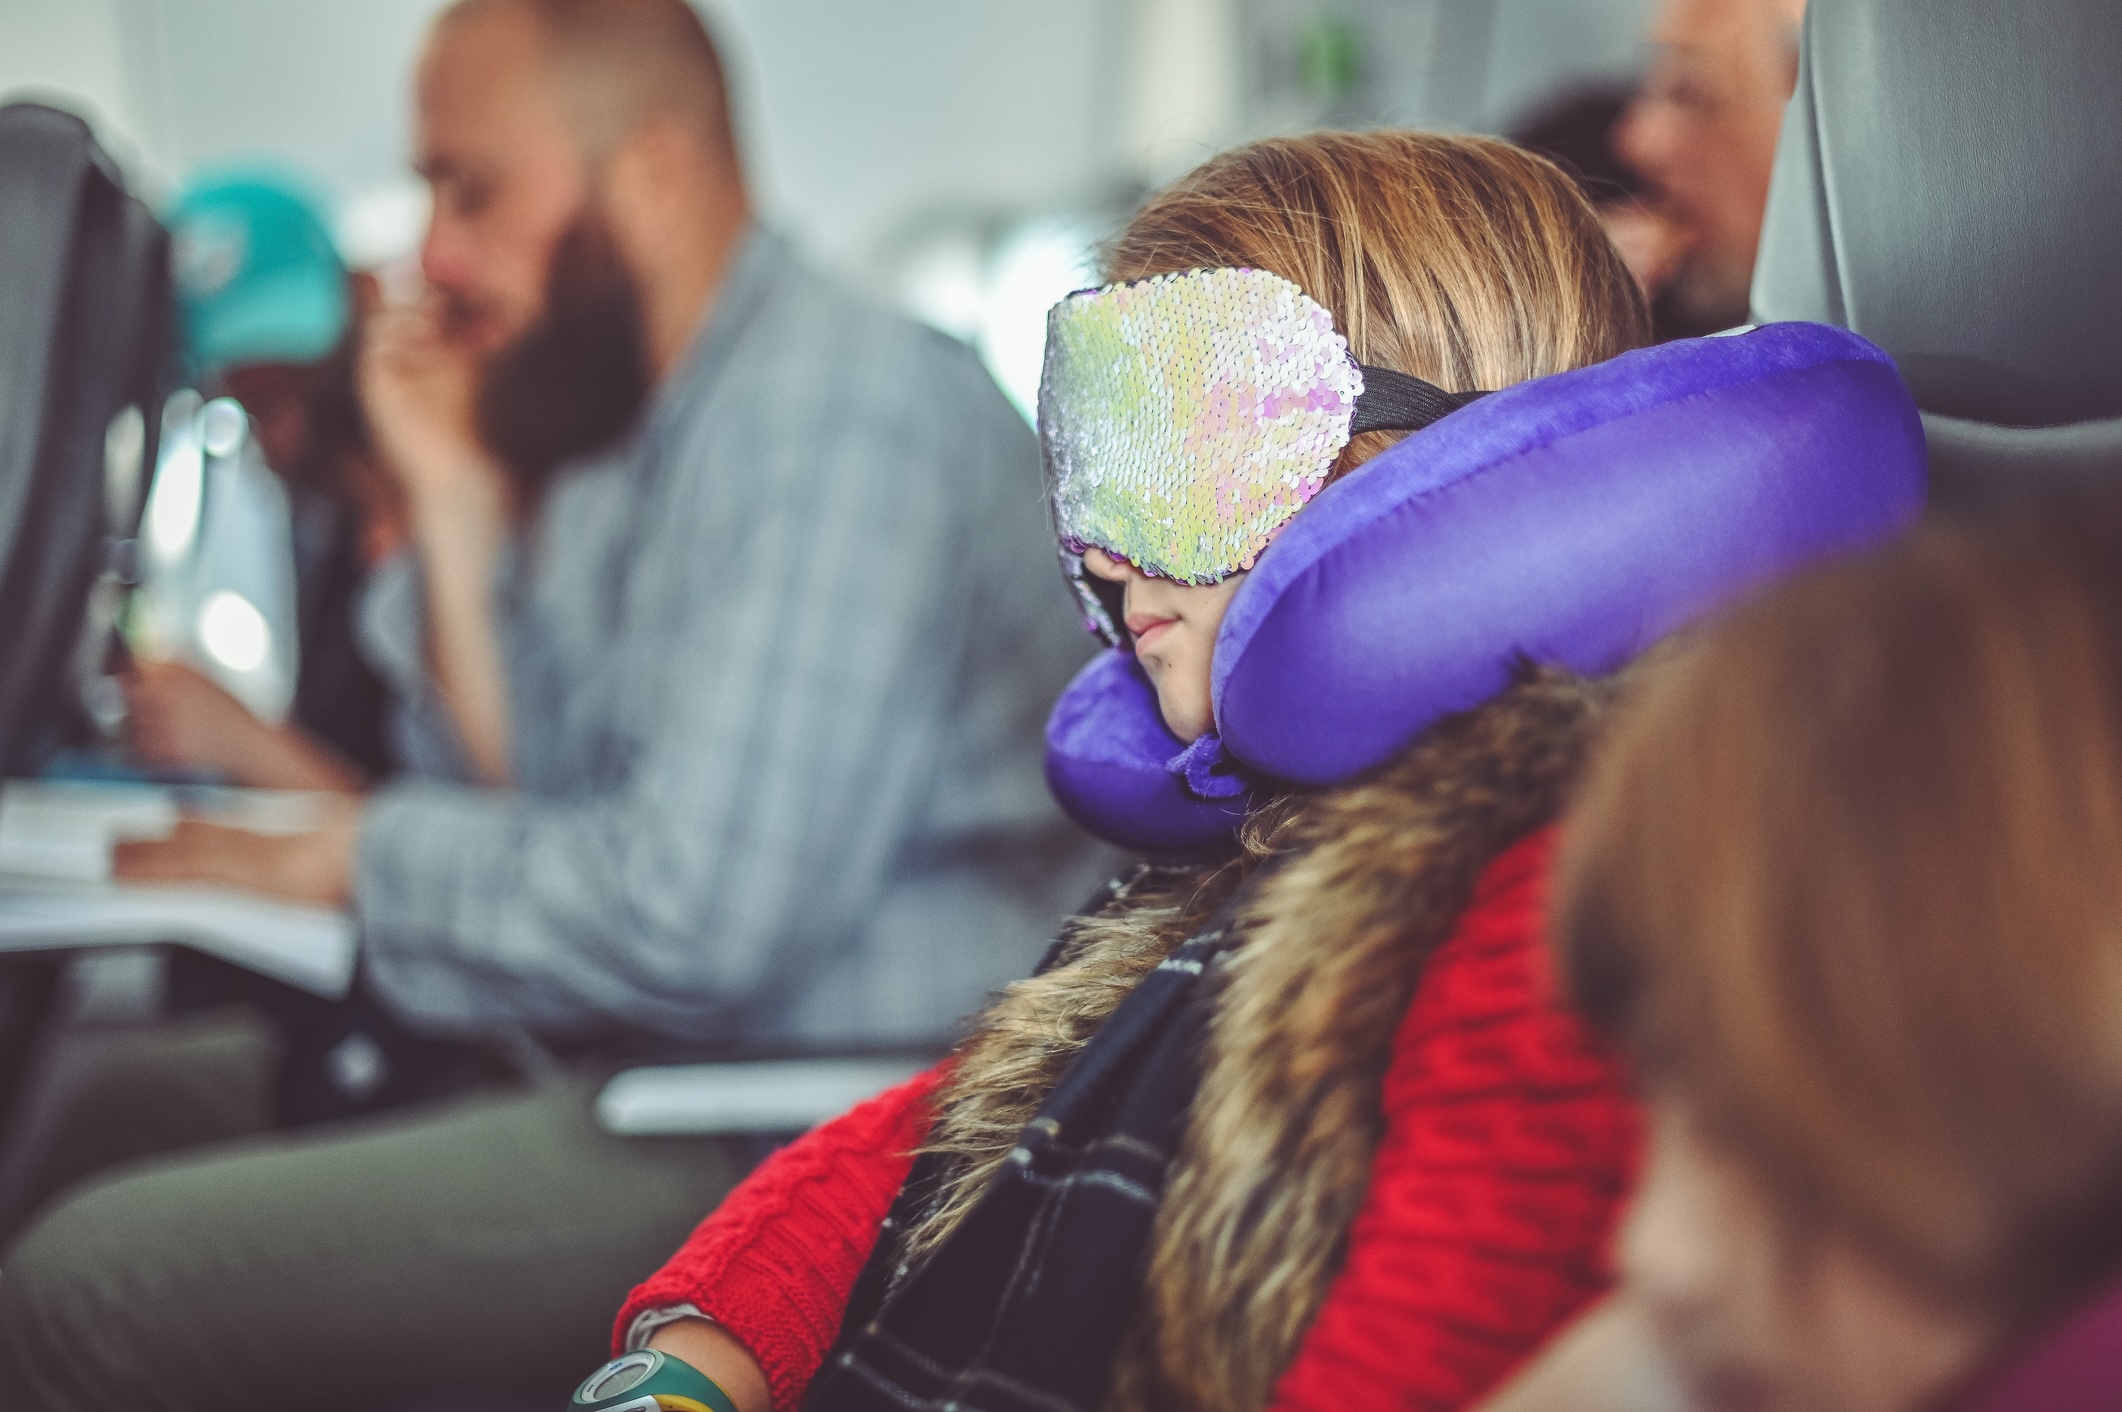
[1185, 419]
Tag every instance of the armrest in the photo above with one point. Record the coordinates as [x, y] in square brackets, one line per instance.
[744, 1096]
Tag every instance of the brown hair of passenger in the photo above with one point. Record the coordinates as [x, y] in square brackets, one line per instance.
[1844, 884]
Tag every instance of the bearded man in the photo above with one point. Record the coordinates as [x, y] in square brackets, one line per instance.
[726, 638]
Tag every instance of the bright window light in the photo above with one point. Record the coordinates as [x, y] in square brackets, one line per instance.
[233, 632]
[173, 504]
[381, 225]
[124, 444]
[1034, 267]
[222, 426]
[945, 285]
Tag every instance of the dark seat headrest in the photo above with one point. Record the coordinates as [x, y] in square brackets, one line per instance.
[85, 316]
[1949, 185]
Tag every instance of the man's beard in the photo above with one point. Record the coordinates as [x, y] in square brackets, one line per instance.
[574, 381]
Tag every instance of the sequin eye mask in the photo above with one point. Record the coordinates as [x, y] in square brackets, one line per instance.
[1186, 418]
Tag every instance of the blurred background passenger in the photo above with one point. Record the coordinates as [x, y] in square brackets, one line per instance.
[1576, 132]
[1703, 135]
[1844, 886]
[271, 317]
[731, 603]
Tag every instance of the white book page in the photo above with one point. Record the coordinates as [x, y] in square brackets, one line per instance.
[56, 890]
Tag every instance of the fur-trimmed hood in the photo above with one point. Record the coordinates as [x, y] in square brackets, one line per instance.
[1367, 881]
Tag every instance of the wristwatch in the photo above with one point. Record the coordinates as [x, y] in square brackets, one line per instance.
[651, 1381]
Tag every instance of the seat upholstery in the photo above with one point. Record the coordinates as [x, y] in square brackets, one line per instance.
[1949, 185]
[84, 335]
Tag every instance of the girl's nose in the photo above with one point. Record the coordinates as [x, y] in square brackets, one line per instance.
[1108, 566]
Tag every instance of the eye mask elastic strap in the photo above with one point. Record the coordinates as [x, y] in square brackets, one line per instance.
[1398, 402]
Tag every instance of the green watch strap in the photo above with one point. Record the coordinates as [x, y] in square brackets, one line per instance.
[650, 1381]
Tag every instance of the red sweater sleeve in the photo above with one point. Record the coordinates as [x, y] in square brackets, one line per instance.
[776, 1262]
[1510, 1143]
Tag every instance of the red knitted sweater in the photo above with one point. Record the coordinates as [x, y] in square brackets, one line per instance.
[1509, 1143]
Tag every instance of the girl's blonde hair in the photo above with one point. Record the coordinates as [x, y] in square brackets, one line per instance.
[1465, 261]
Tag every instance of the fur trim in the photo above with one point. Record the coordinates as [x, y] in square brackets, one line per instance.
[1282, 1135]
[1025, 1040]
[1371, 879]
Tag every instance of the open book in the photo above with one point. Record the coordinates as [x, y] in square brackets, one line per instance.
[56, 891]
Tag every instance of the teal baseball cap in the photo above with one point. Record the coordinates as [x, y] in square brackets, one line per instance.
[257, 277]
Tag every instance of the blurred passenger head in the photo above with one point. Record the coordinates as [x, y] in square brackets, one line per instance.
[258, 279]
[587, 191]
[1703, 135]
[1576, 132]
[1845, 884]
[263, 297]
[1463, 261]
[272, 317]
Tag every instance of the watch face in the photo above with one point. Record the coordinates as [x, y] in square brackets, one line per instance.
[621, 1375]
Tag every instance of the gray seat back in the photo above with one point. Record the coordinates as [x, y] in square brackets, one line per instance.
[85, 328]
[1949, 185]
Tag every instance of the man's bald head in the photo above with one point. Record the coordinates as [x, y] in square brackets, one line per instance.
[619, 63]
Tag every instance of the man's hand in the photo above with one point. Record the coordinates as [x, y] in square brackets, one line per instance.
[180, 718]
[316, 867]
[419, 391]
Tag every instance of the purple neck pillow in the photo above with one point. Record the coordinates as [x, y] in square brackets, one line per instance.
[1571, 521]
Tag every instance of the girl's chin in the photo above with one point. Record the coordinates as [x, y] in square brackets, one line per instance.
[1188, 728]
[1187, 720]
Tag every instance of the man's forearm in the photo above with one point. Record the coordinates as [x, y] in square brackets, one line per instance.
[460, 527]
[315, 867]
[289, 758]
